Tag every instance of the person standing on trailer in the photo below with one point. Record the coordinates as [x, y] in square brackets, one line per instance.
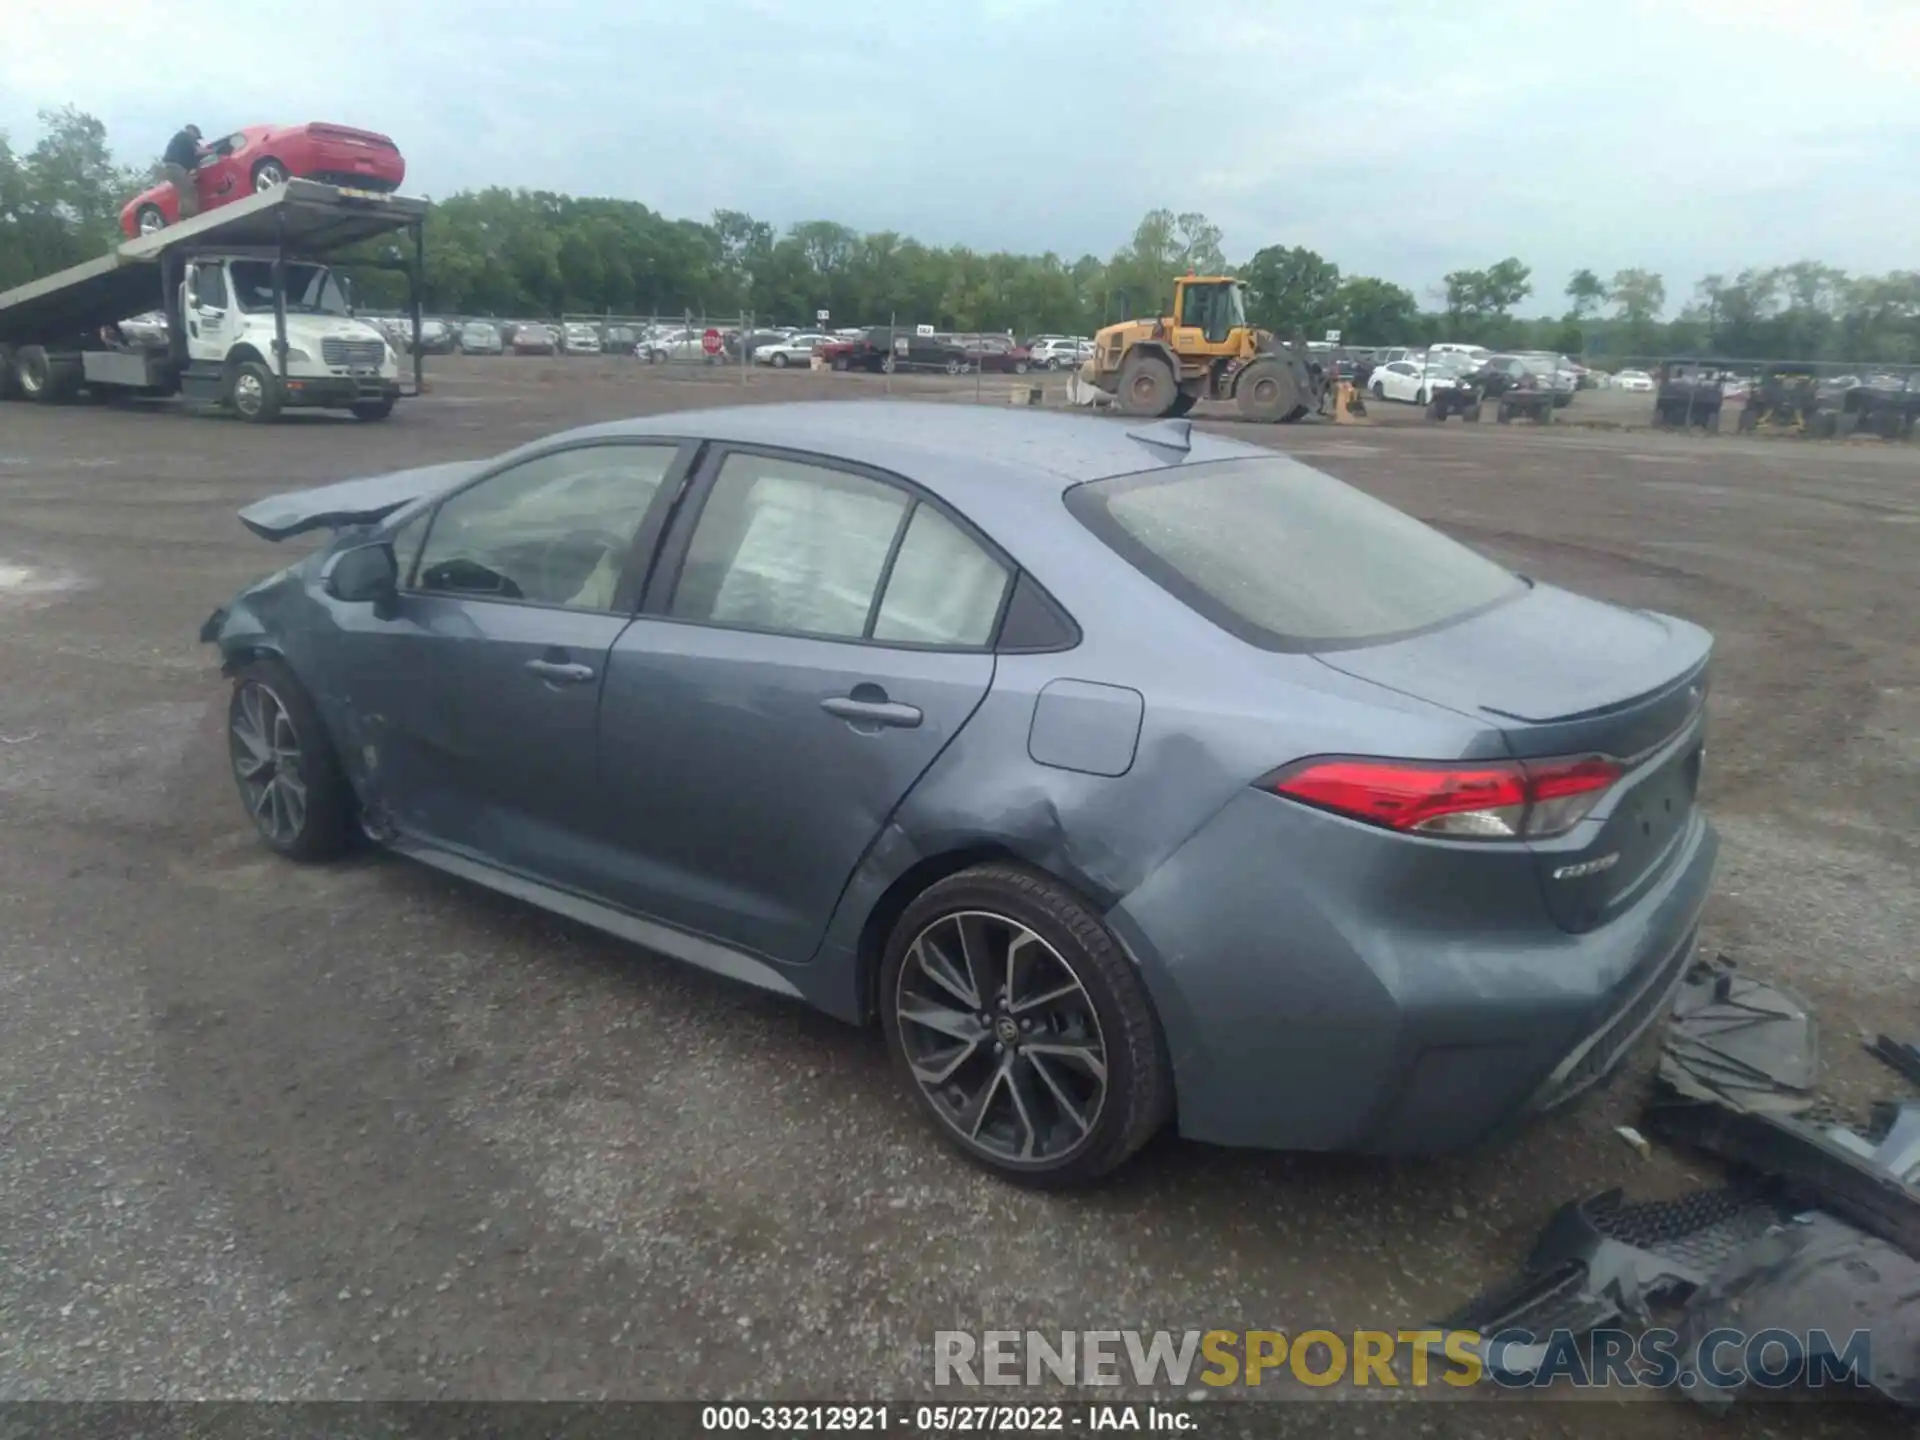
[180, 162]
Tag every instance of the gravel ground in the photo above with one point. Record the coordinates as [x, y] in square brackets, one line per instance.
[363, 1131]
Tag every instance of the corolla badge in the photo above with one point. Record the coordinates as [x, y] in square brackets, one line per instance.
[1587, 867]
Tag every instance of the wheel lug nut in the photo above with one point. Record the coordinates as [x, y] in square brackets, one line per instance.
[1026, 1025]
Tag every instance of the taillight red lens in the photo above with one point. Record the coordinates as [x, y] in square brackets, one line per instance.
[1501, 800]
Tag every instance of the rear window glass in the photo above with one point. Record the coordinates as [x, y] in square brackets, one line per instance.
[1286, 557]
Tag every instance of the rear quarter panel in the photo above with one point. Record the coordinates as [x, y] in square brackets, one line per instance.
[1217, 715]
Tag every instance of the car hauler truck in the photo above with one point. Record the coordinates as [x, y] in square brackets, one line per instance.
[256, 322]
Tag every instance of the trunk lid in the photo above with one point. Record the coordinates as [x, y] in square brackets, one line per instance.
[1561, 675]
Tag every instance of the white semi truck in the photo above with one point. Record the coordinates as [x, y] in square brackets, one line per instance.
[256, 321]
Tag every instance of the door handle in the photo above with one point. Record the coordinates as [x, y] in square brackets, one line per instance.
[561, 672]
[886, 713]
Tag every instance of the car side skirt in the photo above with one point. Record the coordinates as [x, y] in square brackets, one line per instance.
[693, 949]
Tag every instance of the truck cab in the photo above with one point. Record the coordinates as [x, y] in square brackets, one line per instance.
[228, 330]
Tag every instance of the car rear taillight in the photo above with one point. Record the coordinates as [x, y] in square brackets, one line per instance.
[1498, 800]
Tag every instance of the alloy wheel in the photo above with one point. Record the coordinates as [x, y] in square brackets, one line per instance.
[265, 748]
[1002, 1038]
[248, 394]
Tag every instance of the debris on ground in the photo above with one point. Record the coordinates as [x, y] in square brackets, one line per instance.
[1903, 1058]
[1819, 1231]
[1819, 1277]
[1741, 1042]
[1634, 1138]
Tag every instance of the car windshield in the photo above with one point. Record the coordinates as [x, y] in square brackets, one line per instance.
[311, 289]
[1286, 557]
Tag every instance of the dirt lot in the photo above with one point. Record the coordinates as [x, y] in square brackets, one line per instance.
[364, 1131]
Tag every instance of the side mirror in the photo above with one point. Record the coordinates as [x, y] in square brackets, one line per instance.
[365, 574]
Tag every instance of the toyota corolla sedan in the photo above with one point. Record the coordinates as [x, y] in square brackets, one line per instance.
[1121, 775]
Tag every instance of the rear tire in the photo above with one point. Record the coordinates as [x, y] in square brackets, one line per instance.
[9, 382]
[1111, 1019]
[43, 379]
[1420, 396]
[317, 825]
[779, 361]
[1147, 387]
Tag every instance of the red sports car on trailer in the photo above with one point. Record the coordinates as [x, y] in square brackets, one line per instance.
[263, 156]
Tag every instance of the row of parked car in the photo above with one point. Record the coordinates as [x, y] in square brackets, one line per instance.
[878, 348]
[1416, 375]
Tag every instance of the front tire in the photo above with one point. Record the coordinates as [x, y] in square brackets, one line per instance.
[283, 763]
[269, 174]
[373, 410]
[998, 956]
[779, 362]
[254, 393]
[147, 219]
[1146, 386]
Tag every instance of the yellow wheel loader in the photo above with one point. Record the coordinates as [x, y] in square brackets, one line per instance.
[1204, 350]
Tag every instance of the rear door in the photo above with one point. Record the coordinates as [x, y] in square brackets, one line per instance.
[815, 637]
[479, 697]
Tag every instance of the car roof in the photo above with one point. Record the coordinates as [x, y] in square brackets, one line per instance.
[949, 447]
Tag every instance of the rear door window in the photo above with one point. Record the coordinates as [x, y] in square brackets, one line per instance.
[1288, 558]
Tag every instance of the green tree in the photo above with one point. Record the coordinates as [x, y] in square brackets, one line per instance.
[1291, 288]
[1376, 312]
[1587, 293]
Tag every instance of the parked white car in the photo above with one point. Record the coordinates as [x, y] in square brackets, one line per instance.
[1414, 381]
[794, 350]
[1060, 353]
[677, 344]
[1633, 380]
[579, 339]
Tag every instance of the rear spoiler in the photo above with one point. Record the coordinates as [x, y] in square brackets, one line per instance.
[351, 502]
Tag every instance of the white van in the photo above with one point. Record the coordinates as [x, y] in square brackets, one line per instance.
[1476, 353]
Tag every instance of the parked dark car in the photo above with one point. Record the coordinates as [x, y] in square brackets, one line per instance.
[994, 354]
[1119, 775]
[902, 347]
[531, 337]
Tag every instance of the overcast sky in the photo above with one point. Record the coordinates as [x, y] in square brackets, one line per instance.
[1687, 136]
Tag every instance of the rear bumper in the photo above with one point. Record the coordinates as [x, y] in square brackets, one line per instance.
[1318, 992]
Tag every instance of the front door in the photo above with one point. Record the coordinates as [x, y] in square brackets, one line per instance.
[221, 176]
[208, 310]
[825, 635]
[479, 697]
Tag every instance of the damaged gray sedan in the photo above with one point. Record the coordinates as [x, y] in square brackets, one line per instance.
[1121, 775]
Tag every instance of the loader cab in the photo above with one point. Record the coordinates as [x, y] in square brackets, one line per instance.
[1212, 306]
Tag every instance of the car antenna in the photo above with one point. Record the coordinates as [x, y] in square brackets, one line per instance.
[1170, 434]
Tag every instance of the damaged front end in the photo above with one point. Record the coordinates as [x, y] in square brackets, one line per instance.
[269, 614]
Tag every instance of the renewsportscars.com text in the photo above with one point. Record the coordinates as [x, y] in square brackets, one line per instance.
[1656, 1359]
